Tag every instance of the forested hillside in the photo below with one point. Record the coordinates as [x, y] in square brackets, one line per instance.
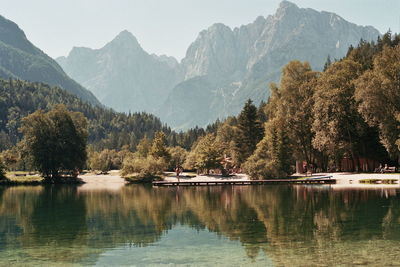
[107, 128]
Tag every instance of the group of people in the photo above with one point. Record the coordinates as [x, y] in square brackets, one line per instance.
[386, 168]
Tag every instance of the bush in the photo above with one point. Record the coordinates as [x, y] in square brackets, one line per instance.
[105, 160]
[148, 167]
[263, 169]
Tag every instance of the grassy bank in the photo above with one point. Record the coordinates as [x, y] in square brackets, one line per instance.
[26, 178]
[139, 179]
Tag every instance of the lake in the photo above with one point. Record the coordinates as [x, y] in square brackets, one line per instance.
[203, 226]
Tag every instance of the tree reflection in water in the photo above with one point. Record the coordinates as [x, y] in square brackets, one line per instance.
[289, 223]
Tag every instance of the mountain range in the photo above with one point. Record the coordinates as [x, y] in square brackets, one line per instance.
[222, 68]
[20, 59]
[122, 75]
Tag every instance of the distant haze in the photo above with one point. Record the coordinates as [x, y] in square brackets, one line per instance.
[165, 26]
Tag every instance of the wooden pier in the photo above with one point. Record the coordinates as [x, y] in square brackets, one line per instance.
[325, 180]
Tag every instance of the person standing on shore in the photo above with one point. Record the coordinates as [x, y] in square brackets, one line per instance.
[177, 171]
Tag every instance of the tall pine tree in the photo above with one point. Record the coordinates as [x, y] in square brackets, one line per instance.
[249, 132]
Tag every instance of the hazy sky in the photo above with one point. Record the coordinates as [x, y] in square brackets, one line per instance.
[164, 26]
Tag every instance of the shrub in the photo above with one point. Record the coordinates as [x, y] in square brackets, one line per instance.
[148, 167]
[105, 160]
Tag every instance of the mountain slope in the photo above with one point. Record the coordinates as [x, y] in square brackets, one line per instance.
[222, 68]
[240, 63]
[20, 59]
[122, 75]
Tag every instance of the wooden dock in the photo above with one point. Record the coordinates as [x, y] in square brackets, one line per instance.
[325, 180]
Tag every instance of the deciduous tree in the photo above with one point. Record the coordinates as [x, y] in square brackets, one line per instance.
[378, 94]
[56, 140]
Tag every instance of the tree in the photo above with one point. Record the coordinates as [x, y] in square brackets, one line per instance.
[327, 63]
[378, 95]
[143, 168]
[226, 135]
[159, 147]
[56, 140]
[293, 102]
[105, 160]
[144, 146]
[207, 154]
[10, 158]
[273, 156]
[178, 156]
[249, 132]
[337, 123]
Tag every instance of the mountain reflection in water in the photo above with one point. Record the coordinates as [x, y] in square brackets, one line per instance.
[290, 225]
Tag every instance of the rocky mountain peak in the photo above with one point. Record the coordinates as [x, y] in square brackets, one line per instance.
[286, 5]
[78, 51]
[12, 35]
[286, 9]
[170, 61]
[222, 68]
[125, 40]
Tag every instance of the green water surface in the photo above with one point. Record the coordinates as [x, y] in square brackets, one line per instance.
[199, 226]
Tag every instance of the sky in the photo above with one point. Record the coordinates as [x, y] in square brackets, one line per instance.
[165, 26]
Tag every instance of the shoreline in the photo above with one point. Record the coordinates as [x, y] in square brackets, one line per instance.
[114, 181]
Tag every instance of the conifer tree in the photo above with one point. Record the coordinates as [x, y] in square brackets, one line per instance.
[273, 156]
[327, 63]
[249, 132]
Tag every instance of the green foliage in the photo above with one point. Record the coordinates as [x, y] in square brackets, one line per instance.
[226, 136]
[337, 120]
[207, 155]
[293, 102]
[378, 95]
[10, 158]
[178, 157]
[56, 140]
[249, 132]
[107, 129]
[273, 156]
[144, 146]
[158, 148]
[106, 160]
[148, 167]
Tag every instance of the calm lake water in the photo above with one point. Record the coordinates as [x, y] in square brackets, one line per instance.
[209, 226]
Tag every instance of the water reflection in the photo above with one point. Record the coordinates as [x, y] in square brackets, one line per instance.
[290, 224]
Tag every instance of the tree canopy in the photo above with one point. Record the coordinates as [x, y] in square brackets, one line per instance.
[56, 140]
